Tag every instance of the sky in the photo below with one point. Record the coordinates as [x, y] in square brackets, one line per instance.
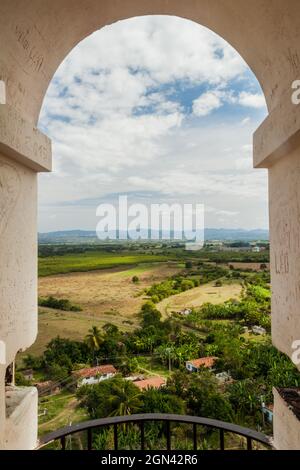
[157, 108]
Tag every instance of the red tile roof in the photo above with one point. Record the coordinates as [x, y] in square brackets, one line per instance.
[152, 382]
[203, 361]
[98, 370]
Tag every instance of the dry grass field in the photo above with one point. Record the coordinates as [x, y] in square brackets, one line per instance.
[198, 296]
[252, 266]
[104, 296]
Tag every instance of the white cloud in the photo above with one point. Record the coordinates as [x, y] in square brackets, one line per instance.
[252, 100]
[206, 103]
[117, 116]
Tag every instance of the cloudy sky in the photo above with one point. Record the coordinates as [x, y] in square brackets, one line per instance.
[158, 108]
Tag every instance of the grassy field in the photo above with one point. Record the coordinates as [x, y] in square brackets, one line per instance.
[105, 296]
[92, 261]
[110, 296]
[194, 298]
[59, 410]
[148, 367]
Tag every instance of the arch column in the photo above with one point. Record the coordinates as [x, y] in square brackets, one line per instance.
[277, 147]
[23, 152]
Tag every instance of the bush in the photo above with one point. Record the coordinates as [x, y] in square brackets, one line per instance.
[20, 380]
[57, 372]
[59, 304]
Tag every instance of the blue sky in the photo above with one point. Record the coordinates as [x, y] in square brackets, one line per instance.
[159, 108]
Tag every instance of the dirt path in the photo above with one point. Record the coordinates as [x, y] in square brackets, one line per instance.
[62, 416]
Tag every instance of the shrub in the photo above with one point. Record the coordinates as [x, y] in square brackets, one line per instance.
[59, 304]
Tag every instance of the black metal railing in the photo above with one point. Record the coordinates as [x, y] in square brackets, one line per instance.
[140, 419]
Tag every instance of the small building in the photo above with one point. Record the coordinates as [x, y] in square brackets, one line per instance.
[134, 378]
[258, 330]
[48, 387]
[196, 364]
[151, 382]
[256, 249]
[268, 412]
[28, 374]
[94, 375]
[224, 377]
[185, 311]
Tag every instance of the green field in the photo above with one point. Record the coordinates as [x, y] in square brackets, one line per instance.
[92, 261]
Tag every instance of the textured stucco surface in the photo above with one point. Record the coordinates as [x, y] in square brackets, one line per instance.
[284, 207]
[286, 425]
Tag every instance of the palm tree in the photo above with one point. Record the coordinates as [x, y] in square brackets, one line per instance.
[124, 399]
[94, 339]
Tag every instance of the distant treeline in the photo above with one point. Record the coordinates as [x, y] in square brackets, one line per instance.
[173, 250]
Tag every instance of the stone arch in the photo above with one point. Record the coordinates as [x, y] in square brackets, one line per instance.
[40, 35]
[35, 37]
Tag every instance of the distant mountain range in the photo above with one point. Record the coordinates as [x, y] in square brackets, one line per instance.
[89, 236]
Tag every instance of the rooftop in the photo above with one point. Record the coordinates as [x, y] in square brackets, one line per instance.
[98, 370]
[152, 382]
[203, 361]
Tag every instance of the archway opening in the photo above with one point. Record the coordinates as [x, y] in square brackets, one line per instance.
[162, 110]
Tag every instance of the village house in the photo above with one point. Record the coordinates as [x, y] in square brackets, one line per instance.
[28, 374]
[151, 382]
[48, 387]
[94, 375]
[196, 364]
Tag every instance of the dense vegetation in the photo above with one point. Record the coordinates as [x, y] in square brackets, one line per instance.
[222, 330]
[192, 277]
[254, 308]
[255, 366]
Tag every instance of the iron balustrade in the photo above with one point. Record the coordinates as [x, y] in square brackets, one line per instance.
[249, 434]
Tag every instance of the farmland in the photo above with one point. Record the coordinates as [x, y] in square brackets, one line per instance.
[105, 296]
[92, 261]
[196, 297]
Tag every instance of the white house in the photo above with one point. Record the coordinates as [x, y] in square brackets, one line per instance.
[259, 330]
[94, 375]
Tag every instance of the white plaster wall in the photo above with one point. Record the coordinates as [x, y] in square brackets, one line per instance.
[286, 426]
[18, 270]
[284, 207]
[21, 426]
[18, 256]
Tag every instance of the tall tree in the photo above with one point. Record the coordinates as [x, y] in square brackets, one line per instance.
[94, 339]
[124, 399]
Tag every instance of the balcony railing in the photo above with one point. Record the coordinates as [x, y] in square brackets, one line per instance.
[140, 419]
